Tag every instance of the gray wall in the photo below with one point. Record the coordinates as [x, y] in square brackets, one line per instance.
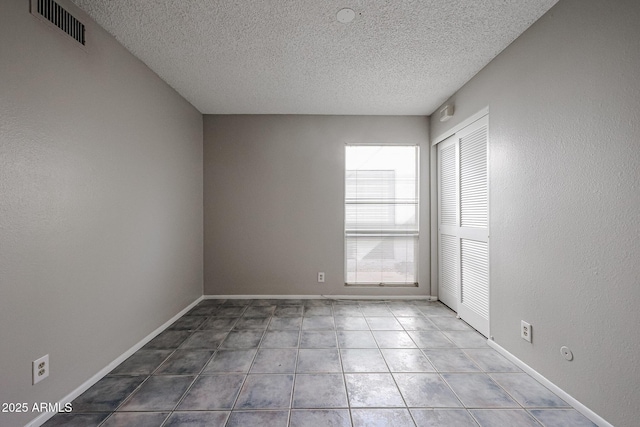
[100, 205]
[274, 201]
[564, 120]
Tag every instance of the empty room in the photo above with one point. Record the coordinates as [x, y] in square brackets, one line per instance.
[299, 213]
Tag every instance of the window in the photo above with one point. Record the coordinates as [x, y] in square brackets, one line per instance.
[381, 215]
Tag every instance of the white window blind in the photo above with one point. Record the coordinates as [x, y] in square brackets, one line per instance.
[381, 214]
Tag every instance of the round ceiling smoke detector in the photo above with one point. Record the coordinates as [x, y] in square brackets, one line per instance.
[345, 15]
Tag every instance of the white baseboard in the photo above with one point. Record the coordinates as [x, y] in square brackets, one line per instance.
[597, 419]
[42, 418]
[372, 297]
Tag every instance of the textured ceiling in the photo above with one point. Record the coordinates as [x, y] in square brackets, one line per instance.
[398, 57]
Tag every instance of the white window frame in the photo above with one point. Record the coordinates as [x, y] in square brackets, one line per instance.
[417, 234]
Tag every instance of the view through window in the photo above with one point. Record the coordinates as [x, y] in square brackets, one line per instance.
[381, 214]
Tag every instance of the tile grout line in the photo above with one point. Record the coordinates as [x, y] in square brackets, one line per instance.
[146, 379]
[295, 366]
[344, 377]
[235, 401]
[125, 400]
[439, 372]
[196, 377]
[393, 377]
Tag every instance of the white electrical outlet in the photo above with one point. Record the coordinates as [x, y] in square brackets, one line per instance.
[525, 331]
[321, 277]
[40, 368]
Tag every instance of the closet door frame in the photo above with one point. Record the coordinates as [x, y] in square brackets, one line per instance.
[469, 233]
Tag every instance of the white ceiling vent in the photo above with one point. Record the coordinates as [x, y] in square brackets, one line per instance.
[56, 16]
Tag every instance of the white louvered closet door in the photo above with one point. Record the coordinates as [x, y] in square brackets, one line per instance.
[464, 245]
[448, 239]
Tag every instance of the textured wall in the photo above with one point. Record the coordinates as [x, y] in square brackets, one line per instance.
[274, 201]
[564, 120]
[100, 205]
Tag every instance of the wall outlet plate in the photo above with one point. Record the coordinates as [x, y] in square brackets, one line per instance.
[40, 369]
[321, 277]
[525, 331]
